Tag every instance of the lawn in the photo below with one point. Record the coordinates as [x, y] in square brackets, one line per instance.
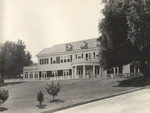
[23, 99]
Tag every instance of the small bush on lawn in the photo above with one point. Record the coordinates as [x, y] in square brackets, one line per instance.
[40, 97]
[4, 94]
[53, 89]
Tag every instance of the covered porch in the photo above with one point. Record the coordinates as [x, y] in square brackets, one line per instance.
[87, 71]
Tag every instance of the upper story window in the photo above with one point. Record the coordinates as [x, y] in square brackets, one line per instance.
[44, 61]
[57, 60]
[94, 54]
[76, 56]
[51, 60]
[82, 55]
[70, 58]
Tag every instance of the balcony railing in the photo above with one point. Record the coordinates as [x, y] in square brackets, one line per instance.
[85, 60]
[103, 76]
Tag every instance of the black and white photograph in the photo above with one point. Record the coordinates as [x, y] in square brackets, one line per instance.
[74, 56]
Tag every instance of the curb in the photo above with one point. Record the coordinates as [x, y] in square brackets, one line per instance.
[92, 100]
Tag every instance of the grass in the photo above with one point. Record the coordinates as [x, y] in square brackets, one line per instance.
[23, 96]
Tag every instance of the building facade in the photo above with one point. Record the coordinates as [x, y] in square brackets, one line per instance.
[78, 59]
[75, 60]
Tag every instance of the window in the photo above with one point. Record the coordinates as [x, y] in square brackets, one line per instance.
[94, 54]
[64, 60]
[26, 74]
[31, 75]
[66, 72]
[82, 55]
[36, 75]
[47, 61]
[86, 55]
[70, 58]
[76, 56]
[116, 70]
[40, 61]
[89, 56]
[58, 60]
[44, 61]
[80, 72]
[61, 61]
[51, 60]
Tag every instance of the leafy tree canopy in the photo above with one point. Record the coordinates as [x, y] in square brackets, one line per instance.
[13, 57]
[125, 34]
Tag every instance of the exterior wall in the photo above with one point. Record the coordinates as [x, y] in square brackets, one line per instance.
[30, 72]
[76, 56]
[126, 68]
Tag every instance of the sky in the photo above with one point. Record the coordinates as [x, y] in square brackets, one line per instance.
[44, 23]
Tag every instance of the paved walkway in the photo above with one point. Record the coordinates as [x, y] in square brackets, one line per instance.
[135, 102]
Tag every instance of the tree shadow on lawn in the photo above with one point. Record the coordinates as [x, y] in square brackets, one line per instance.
[10, 83]
[57, 101]
[134, 82]
[41, 106]
[3, 109]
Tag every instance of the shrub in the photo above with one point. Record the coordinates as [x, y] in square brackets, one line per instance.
[53, 89]
[4, 94]
[40, 97]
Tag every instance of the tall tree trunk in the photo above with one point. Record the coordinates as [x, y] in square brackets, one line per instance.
[40, 104]
[144, 69]
[1, 79]
[53, 97]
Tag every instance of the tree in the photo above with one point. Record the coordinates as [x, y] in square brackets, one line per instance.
[53, 89]
[138, 20]
[124, 39]
[4, 94]
[12, 59]
[40, 97]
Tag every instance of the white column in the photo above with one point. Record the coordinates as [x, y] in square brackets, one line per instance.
[33, 75]
[75, 70]
[134, 70]
[63, 74]
[83, 71]
[46, 74]
[117, 69]
[72, 73]
[38, 75]
[23, 75]
[114, 70]
[100, 72]
[138, 70]
[28, 74]
[93, 70]
[54, 75]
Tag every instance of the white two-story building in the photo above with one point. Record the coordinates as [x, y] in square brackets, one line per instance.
[70, 60]
[74, 59]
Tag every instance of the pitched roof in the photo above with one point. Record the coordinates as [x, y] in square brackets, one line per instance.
[91, 43]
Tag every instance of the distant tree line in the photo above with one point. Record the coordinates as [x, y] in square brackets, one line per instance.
[13, 56]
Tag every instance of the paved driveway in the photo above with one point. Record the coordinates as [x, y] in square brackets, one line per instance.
[135, 102]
